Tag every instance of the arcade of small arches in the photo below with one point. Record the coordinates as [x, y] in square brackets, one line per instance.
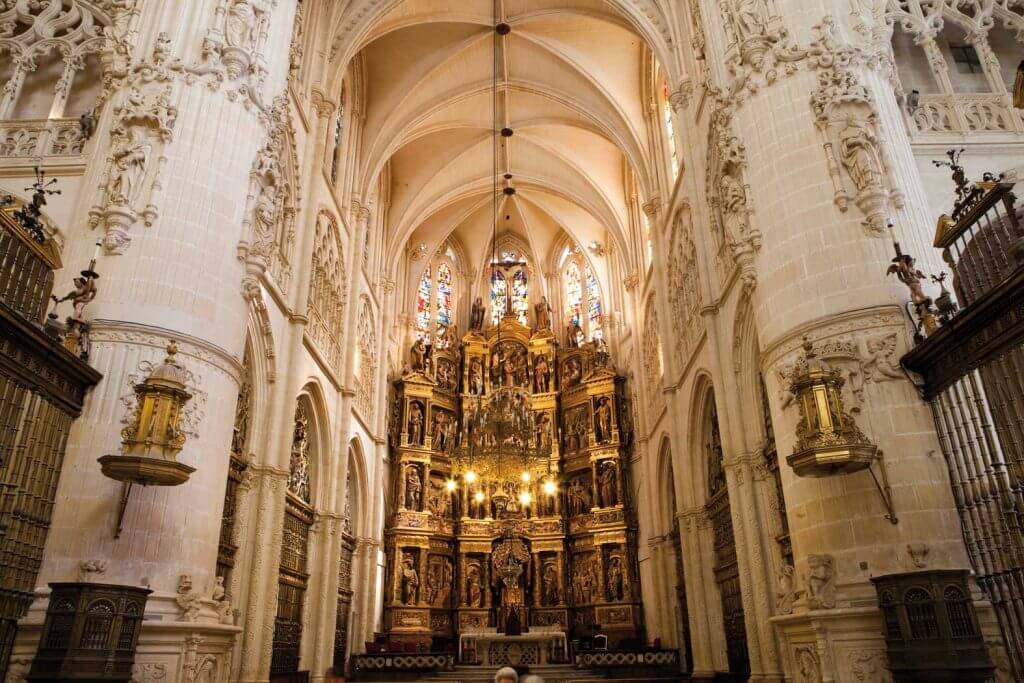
[359, 220]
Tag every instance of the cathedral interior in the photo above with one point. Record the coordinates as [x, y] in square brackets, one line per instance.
[404, 340]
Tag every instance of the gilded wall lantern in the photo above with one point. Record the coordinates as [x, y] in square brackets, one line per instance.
[828, 440]
[151, 442]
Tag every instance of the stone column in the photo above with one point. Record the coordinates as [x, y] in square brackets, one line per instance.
[700, 592]
[803, 84]
[173, 212]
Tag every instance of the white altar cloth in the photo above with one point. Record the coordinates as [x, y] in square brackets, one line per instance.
[537, 634]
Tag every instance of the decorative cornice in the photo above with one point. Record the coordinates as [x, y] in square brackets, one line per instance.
[123, 332]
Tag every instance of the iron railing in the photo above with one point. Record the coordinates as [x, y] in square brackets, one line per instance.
[973, 371]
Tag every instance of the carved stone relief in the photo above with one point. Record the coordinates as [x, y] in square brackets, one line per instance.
[868, 666]
[729, 196]
[268, 227]
[808, 665]
[821, 582]
[846, 114]
[860, 358]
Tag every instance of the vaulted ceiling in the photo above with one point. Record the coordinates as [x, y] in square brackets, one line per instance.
[568, 83]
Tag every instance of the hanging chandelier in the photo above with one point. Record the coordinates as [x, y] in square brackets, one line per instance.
[502, 449]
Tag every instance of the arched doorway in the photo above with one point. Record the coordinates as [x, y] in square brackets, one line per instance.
[293, 573]
[726, 567]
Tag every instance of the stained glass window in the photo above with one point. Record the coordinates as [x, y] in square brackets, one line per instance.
[498, 285]
[583, 296]
[444, 295]
[423, 305]
[670, 130]
[520, 296]
[574, 295]
[594, 319]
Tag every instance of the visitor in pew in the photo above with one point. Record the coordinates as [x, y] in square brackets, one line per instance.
[506, 675]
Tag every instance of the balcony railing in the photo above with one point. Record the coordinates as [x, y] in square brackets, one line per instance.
[41, 138]
[964, 113]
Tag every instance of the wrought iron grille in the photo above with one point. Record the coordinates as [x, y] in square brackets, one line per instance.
[293, 580]
[973, 370]
[341, 625]
[726, 565]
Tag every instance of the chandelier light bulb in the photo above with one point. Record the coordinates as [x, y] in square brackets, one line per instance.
[470, 477]
[525, 498]
[525, 476]
[450, 484]
[478, 496]
[550, 488]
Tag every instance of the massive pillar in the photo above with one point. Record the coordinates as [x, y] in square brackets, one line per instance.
[186, 108]
[808, 162]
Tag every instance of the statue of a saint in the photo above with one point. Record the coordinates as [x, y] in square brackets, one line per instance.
[541, 374]
[439, 437]
[858, 149]
[474, 591]
[603, 420]
[476, 317]
[129, 169]
[418, 355]
[609, 492]
[542, 314]
[542, 430]
[476, 376]
[750, 18]
[410, 580]
[574, 335]
[549, 581]
[415, 424]
[413, 488]
[615, 583]
[734, 208]
[239, 24]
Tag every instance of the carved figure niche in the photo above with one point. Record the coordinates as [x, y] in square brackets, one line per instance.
[846, 114]
[268, 229]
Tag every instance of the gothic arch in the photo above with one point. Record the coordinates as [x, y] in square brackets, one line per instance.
[746, 366]
[702, 397]
[263, 357]
[358, 500]
[311, 398]
[669, 504]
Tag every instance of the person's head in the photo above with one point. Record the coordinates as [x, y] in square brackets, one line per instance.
[506, 675]
[532, 678]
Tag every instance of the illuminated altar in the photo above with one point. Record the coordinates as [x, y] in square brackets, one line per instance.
[552, 550]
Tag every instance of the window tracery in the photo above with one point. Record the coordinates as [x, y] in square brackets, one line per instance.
[327, 290]
[437, 300]
[683, 292]
[366, 368]
[49, 41]
[423, 304]
[583, 296]
[652, 355]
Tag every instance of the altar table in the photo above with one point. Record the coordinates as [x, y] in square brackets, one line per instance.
[498, 649]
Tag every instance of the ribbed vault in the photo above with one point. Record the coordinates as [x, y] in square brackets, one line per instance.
[570, 86]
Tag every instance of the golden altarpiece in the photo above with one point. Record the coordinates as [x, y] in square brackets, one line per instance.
[555, 549]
